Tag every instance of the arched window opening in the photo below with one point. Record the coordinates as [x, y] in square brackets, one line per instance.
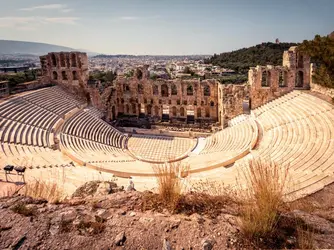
[55, 75]
[75, 75]
[73, 60]
[64, 76]
[134, 111]
[127, 110]
[54, 60]
[195, 103]
[282, 80]
[199, 112]
[300, 79]
[62, 60]
[190, 90]
[149, 110]
[212, 104]
[174, 111]
[174, 89]
[182, 111]
[265, 82]
[139, 74]
[164, 90]
[156, 110]
[145, 100]
[207, 112]
[206, 90]
[155, 90]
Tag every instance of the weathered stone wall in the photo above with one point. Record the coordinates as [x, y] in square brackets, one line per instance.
[231, 101]
[270, 82]
[177, 98]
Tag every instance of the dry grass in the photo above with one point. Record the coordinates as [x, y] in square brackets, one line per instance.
[44, 190]
[266, 183]
[170, 184]
[305, 238]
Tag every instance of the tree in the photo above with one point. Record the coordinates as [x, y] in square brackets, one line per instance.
[321, 51]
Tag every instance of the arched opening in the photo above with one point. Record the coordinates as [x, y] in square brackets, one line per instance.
[300, 79]
[207, 112]
[164, 90]
[54, 60]
[62, 60]
[64, 75]
[174, 89]
[282, 80]
[139, 74]
[155, 90]
[127, 110]
[206, 90]
[73, 60]
[156, 110]
[121, 108]
[195, 103]
[134, 111]
[190, 90]
[113, 112]
[174, 111]
[149, 110]
[199, 112]
[55, 75]
[212, 104]
[265, 81]
[68, 64]
[140, 89]
[182, 111]
[75, 75]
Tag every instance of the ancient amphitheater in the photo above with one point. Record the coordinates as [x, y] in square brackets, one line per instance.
[62, 138]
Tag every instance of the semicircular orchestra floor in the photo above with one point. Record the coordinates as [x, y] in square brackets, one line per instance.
[159, 148]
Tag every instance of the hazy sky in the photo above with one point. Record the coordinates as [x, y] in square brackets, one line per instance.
[164, 26]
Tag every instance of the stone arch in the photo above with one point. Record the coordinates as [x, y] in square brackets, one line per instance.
[121, 108]
[300, 79]
[174, 89]
[134, 111]
[265, 79]
[75, 75]
[207, 112]
[206, 90]
[54, 60]
[164, 90]
[190, 89]
[182, 111]
[155, 90]
[62, 60]
[140, 89]
[149, 109]
[64, 75]
[156, 111]
[139, 74]
[199, 112]
[73, 60]
[55, 75]
[174, 111]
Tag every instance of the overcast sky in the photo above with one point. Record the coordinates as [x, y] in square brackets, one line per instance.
[164, 26]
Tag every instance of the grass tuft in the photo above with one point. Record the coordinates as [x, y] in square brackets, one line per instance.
[44, 190]
[263, 198]
[23, 209]
[169, 180]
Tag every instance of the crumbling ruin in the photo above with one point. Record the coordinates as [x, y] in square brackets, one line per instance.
[178, 101]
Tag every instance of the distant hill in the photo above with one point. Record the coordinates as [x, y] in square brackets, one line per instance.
[261, 54]
[32, 48]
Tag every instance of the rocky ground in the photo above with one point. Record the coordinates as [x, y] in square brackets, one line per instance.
[127, 220]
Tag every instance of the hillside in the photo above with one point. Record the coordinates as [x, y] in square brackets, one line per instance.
[32, 48]
[261, 54]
